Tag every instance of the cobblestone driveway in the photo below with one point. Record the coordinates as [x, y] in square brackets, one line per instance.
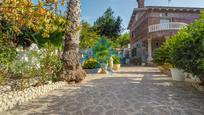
[131, 91]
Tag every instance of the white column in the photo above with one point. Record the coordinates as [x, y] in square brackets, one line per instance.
[149, 59]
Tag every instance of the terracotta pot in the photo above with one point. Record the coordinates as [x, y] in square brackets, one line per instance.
[116, 66]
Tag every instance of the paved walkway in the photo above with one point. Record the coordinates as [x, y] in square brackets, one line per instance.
[131, 91]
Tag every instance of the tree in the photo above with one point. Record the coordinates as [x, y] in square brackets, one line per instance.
[25, 16]
[27, 21]
[88, 36]
[25, 13]
[72, 70]
[23, 22]
[108, 25]
[123, 40]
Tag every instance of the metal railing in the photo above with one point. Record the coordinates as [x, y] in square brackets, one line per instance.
[166, 26]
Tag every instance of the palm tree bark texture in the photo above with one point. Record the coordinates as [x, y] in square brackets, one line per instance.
[72, 70]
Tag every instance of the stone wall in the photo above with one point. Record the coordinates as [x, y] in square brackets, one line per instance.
[15, 98]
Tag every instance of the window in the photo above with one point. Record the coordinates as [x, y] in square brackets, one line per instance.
[133, 34]
[163, 14]
[164, 20]
[164, 23]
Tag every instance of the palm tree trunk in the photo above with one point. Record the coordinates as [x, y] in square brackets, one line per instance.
[72, 70]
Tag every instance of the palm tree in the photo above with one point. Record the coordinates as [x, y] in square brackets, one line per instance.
[72, 70]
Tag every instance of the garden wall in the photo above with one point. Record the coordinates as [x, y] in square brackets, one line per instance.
[11, 99]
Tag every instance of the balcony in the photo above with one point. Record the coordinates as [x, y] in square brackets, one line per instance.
[166, 26]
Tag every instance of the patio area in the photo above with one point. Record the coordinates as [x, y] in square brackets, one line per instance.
[130, 91]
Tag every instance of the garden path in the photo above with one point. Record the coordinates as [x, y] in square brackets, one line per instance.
[130, 91]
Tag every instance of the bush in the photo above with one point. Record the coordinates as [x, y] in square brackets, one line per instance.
[161, 55]
[116, 60]
[7, 56]
[51, 64]
[35, 65]
[164, 54]
[189, 54]
[185, 50]
[91, 64]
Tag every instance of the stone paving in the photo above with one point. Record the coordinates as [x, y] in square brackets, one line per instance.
[130, 91]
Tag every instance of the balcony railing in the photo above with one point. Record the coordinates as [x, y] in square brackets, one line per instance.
[166, 26]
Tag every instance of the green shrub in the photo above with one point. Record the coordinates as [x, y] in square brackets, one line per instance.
[41, 64]
[185, 50]
[91, 64]
[161, 55]
[164, 54]
[50, 64]
[116, 60]
[7, 56]
[189, 54]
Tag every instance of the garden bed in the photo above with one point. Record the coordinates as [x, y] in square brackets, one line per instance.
[7, 100]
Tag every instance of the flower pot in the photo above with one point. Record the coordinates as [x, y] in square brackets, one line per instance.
[104, 66]
[116, 66]
[92, 71]
[177, 75]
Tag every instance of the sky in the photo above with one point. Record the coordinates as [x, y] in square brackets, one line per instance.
[92, 9]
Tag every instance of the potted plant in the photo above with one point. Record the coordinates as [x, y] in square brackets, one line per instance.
[102, 51]
[91, 65]
[116, 63]
[164, 58]
[171, 45]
